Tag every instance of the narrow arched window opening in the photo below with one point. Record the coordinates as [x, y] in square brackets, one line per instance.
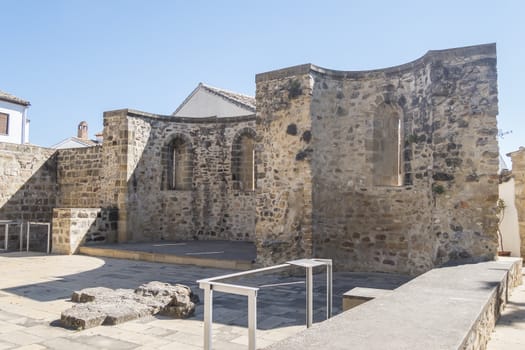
[387, 147]
[178, 165]
[243, 161]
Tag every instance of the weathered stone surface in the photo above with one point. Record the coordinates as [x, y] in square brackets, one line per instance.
[82, 317]
[101, 305]
[178, 300]
[382, 142]
[74, 227]
[28, 188]
[90, 294]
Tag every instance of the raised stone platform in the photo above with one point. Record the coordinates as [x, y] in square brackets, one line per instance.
[452, 307]
[237, 255]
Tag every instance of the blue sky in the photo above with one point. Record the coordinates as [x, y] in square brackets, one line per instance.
[76, 59]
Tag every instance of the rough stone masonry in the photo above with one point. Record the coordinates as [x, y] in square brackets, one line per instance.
[390, 170]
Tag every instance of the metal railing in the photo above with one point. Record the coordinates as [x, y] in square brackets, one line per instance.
[29, 223]
[28, 230]
[6, 223]
[209, 285]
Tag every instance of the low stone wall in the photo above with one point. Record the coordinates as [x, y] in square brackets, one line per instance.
[453, 307]
[27, 182]
[73, 227]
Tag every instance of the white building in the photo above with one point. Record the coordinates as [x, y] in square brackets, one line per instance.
[82, 139]
[14, 124]
[208, 101]
[509, 227]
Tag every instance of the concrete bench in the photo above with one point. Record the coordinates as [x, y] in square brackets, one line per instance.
[453, 307]
[357, 296]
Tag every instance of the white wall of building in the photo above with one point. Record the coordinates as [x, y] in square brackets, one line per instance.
[205, 104]
[18, 129]
[509, 226]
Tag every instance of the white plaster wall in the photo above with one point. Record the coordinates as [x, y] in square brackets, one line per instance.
[15, 112]
[509, 227]
[205, 104]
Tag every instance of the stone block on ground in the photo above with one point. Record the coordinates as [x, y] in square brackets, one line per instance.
[106, 306]
[82, 316]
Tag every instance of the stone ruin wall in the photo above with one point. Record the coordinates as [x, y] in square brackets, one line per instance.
[317, 190]
[211, 209]
[121, 181]
[27, 190]
[74, 227]
[284, 176]
[28, 184]
[464, 97]
[445, 208]
[80, 174]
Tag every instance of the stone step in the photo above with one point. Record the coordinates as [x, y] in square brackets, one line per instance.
[165, 258]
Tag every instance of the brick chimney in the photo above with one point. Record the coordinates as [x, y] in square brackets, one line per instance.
[82, 130]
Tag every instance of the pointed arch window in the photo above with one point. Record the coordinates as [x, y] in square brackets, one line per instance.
[243, 161]
[387, 146]
[178, 165]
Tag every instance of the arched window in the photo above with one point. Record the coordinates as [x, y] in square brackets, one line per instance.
[387, 146]
[243, 160]
[178, 164]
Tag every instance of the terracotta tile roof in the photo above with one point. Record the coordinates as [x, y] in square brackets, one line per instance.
[4, 96]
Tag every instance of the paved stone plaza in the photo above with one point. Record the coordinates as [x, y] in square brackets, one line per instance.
[36, 288]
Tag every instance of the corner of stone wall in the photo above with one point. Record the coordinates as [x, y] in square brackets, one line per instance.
[464, 104]
[115, 147]
[283, 162]
[74, 227]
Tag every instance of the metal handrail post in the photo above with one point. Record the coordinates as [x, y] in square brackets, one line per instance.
[6, 240]
[48, 237]
[208, 314]
[27, 235]
[252, 320]
[329, 289]
[21, 238]
[309, 296]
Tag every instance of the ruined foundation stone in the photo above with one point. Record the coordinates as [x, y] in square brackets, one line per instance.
[105, 306]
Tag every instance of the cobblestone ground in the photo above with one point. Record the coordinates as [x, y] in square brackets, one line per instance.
[35, 289]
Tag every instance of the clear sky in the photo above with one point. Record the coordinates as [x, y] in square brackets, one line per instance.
[75, 59]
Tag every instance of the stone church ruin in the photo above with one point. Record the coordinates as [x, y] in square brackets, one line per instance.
[390, 170]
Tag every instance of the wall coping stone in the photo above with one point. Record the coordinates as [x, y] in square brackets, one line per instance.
[339, 74]
[170, 118]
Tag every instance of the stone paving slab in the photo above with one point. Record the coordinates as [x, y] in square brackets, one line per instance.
[35, 288]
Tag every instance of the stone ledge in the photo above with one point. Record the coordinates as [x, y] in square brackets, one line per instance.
[166, 258]
[452, 307]
[359, 295]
